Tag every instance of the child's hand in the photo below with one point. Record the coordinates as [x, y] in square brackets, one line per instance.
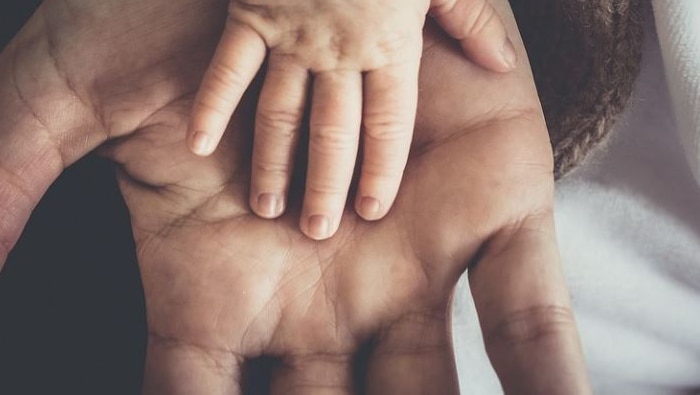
[356, 62]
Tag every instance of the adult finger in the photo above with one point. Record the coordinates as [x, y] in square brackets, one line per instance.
[525, 313]
[390, 100]
[480, 31]
[333, 140]
[414, 356]
[175, 367]
[277, 127]
[318, 374]
[238, 58]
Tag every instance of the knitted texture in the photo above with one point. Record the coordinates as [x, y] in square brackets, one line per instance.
[585, 56]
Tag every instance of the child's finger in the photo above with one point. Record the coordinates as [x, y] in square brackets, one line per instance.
[390, 100]
[333, 139]
[480, 31]
[237, 60]
[277, 123]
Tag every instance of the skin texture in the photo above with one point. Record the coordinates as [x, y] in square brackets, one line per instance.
[355, 64]
[223, 286]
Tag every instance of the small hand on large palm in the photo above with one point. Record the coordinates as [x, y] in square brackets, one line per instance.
[224, 286]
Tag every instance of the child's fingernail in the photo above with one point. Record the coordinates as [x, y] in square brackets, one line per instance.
[200, 143]
[319, 227]
[269, 205]
[369, 208]
[510, 57]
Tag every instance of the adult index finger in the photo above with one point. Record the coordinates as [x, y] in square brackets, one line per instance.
[237, 60]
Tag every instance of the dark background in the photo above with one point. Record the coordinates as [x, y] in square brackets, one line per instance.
[72, 316]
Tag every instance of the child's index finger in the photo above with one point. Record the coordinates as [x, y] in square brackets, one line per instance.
[238, 58]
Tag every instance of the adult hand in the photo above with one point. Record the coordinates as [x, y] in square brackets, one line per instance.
[223, 286]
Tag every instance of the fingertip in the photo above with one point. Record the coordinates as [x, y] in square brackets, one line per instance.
[369, 208]
[318, 227]
[501, 58]
[267, 205]
[509, 55]
[201, 143]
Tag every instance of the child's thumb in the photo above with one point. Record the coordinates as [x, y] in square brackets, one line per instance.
[480, 31]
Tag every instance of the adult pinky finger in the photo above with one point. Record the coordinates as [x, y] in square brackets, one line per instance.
[238, 58]
[525, 314]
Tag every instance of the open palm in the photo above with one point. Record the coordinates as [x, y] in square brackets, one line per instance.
[223, 286]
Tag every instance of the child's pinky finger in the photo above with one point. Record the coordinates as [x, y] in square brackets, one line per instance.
[238, 58]
[390, 101]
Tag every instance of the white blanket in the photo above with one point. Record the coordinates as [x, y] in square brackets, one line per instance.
[678, 27]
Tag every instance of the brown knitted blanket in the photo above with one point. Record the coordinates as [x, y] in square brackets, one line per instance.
[585, 56]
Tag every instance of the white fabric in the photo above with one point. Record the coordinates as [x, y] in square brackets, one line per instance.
[628, 224]
[678, 24]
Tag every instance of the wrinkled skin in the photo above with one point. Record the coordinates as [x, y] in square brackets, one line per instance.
[354, 64]
[223, 286]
